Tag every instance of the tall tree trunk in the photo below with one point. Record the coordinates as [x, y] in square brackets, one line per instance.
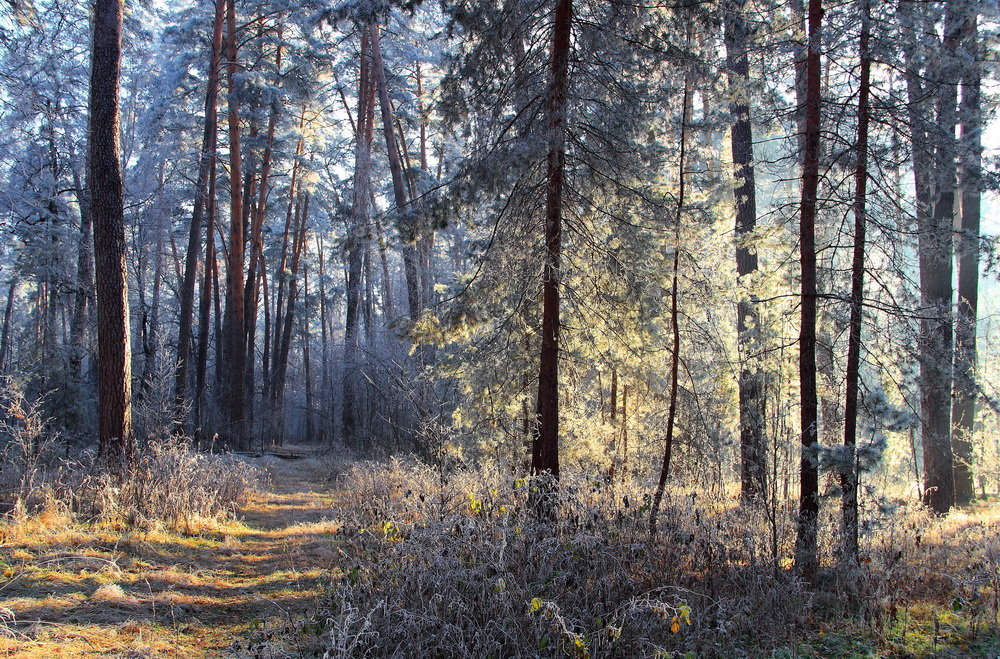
[282, 280]
[152, 336]
[963, 415]
[285, 325]
[916, 22]
[208, 275]
[849, 474]
[624, 432]
[116, 441]
[5, 344]
[306, 365]
[806, 546]
[675, 330]
[205, 160]
[367, 299]
[425, 245]
[265, 361]
[356, 238]
[235, 354]
[220, 344]
[325, 388]
[545, 450]
[388, 305]
[255, 269]
[405, 222]
[753, 452]
[936, 271]
[83, 296]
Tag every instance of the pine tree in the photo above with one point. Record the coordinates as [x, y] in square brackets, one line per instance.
[117, 443]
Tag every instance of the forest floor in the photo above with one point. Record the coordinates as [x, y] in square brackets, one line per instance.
[242, 587]
[251, 586]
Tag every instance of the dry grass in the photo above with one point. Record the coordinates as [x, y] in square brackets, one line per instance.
[72, 589]
[167, 484]
[455, 564]
[401, 559]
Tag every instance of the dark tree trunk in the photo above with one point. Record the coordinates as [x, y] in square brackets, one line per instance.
[806, 546]
[963, 416]
[753, 452]
[5, 345]
[306, 364]
[936, 271]
[151, 337]
[325, 389]
[83, 296]
[614, 395]
[545, 451]
[207, 156]
[425, 245]
[356, 239]
[116, 441]
[208, 275]
[675, 330]
[235, 355]
[405, 222]
[285, 325]
[255, 270]
[272, 342]
[220, 344]
[624, 431]
[849, 474]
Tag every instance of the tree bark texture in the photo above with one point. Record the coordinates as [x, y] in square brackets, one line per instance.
[806, 546]
[234, 352]
[849, 474]
[675, 330]
[405, 218]
[116, 440]
[936, 271]
[545, 450]
[963, 414]
[753, 452]
[357, 236]
[193, 254]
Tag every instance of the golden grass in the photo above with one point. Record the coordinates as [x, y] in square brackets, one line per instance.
[75, 590]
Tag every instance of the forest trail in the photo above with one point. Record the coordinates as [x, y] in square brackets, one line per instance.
[240, 588]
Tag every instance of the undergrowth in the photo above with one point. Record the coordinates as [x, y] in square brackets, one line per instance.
[456, 563]
[169, 484]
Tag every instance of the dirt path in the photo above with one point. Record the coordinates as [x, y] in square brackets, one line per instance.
[240, 588]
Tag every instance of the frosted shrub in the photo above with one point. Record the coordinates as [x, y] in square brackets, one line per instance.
[454, 563]
[29, 452]
[169, 483]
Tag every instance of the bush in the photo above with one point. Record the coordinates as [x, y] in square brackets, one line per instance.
[169, 483]
[456, 564]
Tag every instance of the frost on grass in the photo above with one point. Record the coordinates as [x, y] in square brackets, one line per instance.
[454, 563]
[170, 482]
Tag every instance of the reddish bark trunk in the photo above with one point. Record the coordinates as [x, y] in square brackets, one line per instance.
[116, 441]
[235, 354]
[208, 145]
[545, 451]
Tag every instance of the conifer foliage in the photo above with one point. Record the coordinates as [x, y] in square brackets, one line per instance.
[696, 246]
